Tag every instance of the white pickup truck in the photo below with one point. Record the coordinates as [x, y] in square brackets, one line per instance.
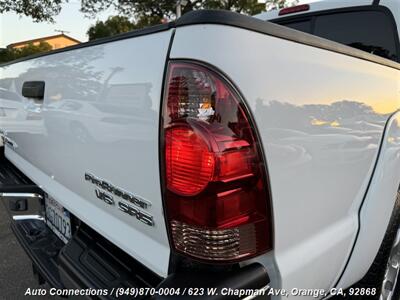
[220, 156]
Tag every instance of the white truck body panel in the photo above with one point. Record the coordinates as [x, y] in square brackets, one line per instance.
[100, 116]
[378, 205]
[314, 227]
[323, 117]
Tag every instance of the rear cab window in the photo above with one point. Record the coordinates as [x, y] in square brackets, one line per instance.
[373, 31]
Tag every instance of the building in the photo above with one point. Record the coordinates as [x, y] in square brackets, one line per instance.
[56, 42]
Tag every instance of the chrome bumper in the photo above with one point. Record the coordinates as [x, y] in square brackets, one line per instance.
[22, 206]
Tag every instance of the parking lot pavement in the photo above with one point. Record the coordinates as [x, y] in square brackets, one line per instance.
[15, 267]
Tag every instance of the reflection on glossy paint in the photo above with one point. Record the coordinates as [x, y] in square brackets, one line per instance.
[92, 103]
[18, 114]
[316, 122]
[99, 114]
[343, 132]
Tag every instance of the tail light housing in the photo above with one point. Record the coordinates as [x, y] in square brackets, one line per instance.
[214, 177]
[294, 9]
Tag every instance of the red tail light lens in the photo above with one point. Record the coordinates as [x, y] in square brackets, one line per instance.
[189, 163]
[216, 196]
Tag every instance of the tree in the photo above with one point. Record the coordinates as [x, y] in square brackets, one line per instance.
[147, 12]
[112, 26]
[39, 10]
[9, 54]
[273, 4]
[151, 12]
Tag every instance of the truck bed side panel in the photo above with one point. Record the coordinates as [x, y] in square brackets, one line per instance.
[99, 116]
[321, 117]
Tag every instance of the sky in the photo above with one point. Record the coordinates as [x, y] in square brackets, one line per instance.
[14, 28]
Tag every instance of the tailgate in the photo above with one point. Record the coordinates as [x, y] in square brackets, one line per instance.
[92, 142]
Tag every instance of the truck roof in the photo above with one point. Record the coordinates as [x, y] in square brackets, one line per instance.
[315, 6]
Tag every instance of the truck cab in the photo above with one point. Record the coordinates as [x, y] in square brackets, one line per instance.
[363, 24]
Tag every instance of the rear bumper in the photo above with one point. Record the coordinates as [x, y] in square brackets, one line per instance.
[86, 262]
[89, 262]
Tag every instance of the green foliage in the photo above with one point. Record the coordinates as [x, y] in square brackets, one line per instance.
[112, 26]
[280, 3]
[248, 7]
[38, 10]
[152, 12]
[147, 12]
[10, 54]
[146, 21]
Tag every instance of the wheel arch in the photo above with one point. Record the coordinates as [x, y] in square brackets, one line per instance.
[377, 207]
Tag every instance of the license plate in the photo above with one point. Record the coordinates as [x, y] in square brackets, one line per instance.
[58, 219]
